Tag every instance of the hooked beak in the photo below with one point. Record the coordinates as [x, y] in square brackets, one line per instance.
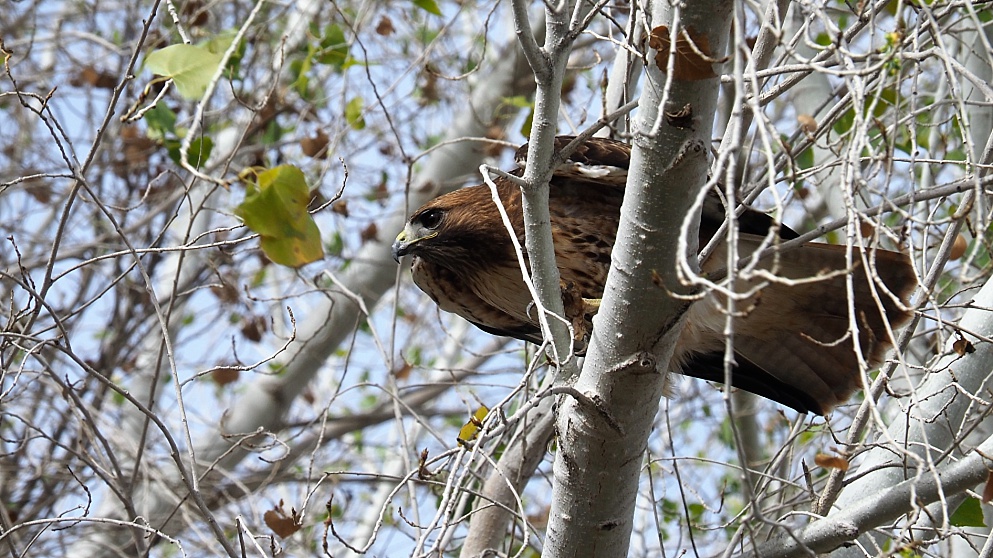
[400, 246]
[409, 238]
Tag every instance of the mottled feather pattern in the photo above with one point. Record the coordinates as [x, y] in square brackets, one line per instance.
[792, 341]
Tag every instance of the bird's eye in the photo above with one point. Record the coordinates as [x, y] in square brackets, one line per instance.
[431, 218]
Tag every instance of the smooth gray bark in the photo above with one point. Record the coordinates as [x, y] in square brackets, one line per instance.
[603, 435]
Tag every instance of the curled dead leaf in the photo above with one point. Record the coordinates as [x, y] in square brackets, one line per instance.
[253, 327]
[317, 146]
[495, 133]
[404, 372]
[135, 152]
[831, 461]
[422, 466]
[317, 200]
[280, 523]
[694, 57]
[963, 346]
[369, 233]
[958, 248]
[196, 13]
[429, 88]
[37, 188]
[226, 292]
[90, 76]
[866, 229]
[385, 26]
[340, 207]
[224, 375]
[807, 123]
[382, 190]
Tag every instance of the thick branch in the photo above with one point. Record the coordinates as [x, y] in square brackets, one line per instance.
[879, 508]
[598, 465]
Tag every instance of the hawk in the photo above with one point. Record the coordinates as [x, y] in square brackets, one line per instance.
[792, 342]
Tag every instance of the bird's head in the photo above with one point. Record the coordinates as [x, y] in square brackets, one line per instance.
[458, 229]
[422, 227]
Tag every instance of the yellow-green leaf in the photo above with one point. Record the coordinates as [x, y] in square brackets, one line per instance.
[353, 113]
[218, 44]
[275, 207]
[526, 126]
[471, 429]
[190, 67]
[429, 6]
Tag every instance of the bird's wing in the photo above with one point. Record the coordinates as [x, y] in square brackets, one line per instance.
[792, 341]
[600, 166]
[600, 160]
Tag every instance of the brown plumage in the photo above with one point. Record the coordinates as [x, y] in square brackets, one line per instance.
[791, 344]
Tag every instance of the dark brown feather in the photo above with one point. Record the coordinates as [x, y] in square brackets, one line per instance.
[791, 342]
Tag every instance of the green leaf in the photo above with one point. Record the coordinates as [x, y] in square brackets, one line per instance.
[190, 67]
[518, 101]
[969, 514]
[696, 512]
[218, 44]
[299, 70]
[336, 245]
[273, 133]
[805, 159]
[845, 122]
[200, 149]
[955, 155]
[333, 47]
[276, 208]
[353, 113]
[526, 126]
[429, 6]
[161, 121]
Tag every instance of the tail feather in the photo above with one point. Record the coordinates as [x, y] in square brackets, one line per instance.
[794, 341]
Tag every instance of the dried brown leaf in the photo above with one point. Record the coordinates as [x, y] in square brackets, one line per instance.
[807, 123]
[88, 75]
[253, 327]
[831, 461]
[959, 247]
[317, 146]
[385, 26]
[404, 372]
[225, 376]
[369, 233]
[340, 207]
[962, 346]
[280, 523]
[422, 466]
[694, 57]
